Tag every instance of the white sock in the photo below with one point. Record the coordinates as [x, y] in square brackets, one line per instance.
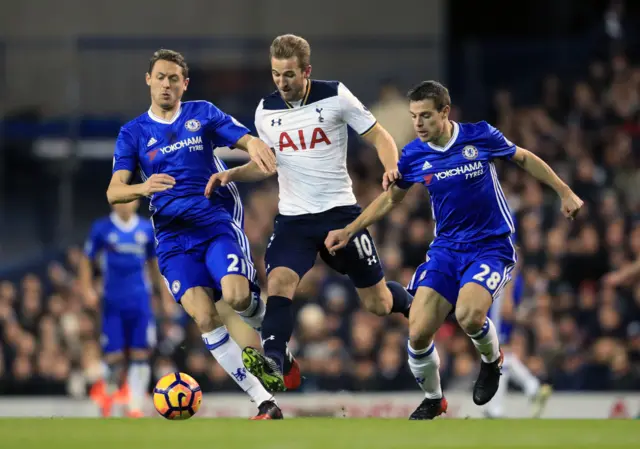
[521, 375]
[495, 407]
[138, 378]
[254, 314]
[425, 366]
[486, 342]
[229, 355]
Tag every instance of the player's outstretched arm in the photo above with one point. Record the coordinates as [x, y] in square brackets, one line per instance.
[259, 151]
[119, 190]
[387, 153]
[540, 170]
[380, 207]
[245, 173]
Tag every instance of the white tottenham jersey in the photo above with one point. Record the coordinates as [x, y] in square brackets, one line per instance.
[310, 142]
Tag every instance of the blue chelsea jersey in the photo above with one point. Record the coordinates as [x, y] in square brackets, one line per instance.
[467, 201]
[183, 148]
[123, 248]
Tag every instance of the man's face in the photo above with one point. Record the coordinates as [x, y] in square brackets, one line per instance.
[289, 78]
[167, 84]
[428, 122]
[126, 210]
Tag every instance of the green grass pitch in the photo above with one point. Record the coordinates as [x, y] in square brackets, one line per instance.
[316, 433]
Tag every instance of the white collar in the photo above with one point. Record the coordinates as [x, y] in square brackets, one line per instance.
[155, 118]
[124, 226]
[454, 137]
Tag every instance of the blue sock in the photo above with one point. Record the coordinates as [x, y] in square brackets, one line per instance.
[277, 328]
[401, 298]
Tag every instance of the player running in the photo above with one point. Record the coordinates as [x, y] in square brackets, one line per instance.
[469, 261]
[123, 245]
[203, 253]
[305, 121]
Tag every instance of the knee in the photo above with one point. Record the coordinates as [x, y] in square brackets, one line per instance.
[470, 318]
[237, 294]
[421, 334]
[206, 321]
[378, 308]
[419, 338]
[378, 304]
[282, 283]
[426, 315]
[139, 355]
[198, 303]
[114, 358]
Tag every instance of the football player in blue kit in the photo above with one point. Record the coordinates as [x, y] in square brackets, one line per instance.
[202, 250]
[122, 245]
[470, 260]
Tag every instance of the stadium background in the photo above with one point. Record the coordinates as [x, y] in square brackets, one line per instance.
[557, 78]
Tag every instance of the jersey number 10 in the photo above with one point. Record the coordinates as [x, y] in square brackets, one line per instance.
[364, 247]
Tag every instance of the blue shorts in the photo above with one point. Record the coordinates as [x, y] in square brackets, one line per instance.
[185, 264]
[127, 329]
[297, 240]
[450, 266]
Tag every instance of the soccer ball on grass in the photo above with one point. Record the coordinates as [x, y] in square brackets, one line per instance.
[177, 396]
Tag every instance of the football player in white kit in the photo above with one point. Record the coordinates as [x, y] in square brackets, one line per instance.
[305, 122]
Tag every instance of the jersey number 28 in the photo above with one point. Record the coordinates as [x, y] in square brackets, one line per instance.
[494, 279]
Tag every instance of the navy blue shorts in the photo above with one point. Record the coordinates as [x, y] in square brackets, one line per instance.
[450, 266]
[297, 240]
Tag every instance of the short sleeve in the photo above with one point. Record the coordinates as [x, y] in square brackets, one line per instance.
[405, 173]
[225, 129]
[354, 113]
[94, 243]
[125, 156]
[498, 145]
[258, 122]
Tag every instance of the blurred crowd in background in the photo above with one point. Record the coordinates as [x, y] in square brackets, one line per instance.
[572, 330]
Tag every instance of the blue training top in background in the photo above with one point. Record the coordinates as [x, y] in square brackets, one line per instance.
[122, 249]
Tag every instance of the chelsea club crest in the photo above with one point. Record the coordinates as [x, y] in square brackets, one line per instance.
[470, 152]
[192, 125]
[140, 237]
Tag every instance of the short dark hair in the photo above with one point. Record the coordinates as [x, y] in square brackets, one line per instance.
[172, 56]
[430, 90]
[289, 46]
